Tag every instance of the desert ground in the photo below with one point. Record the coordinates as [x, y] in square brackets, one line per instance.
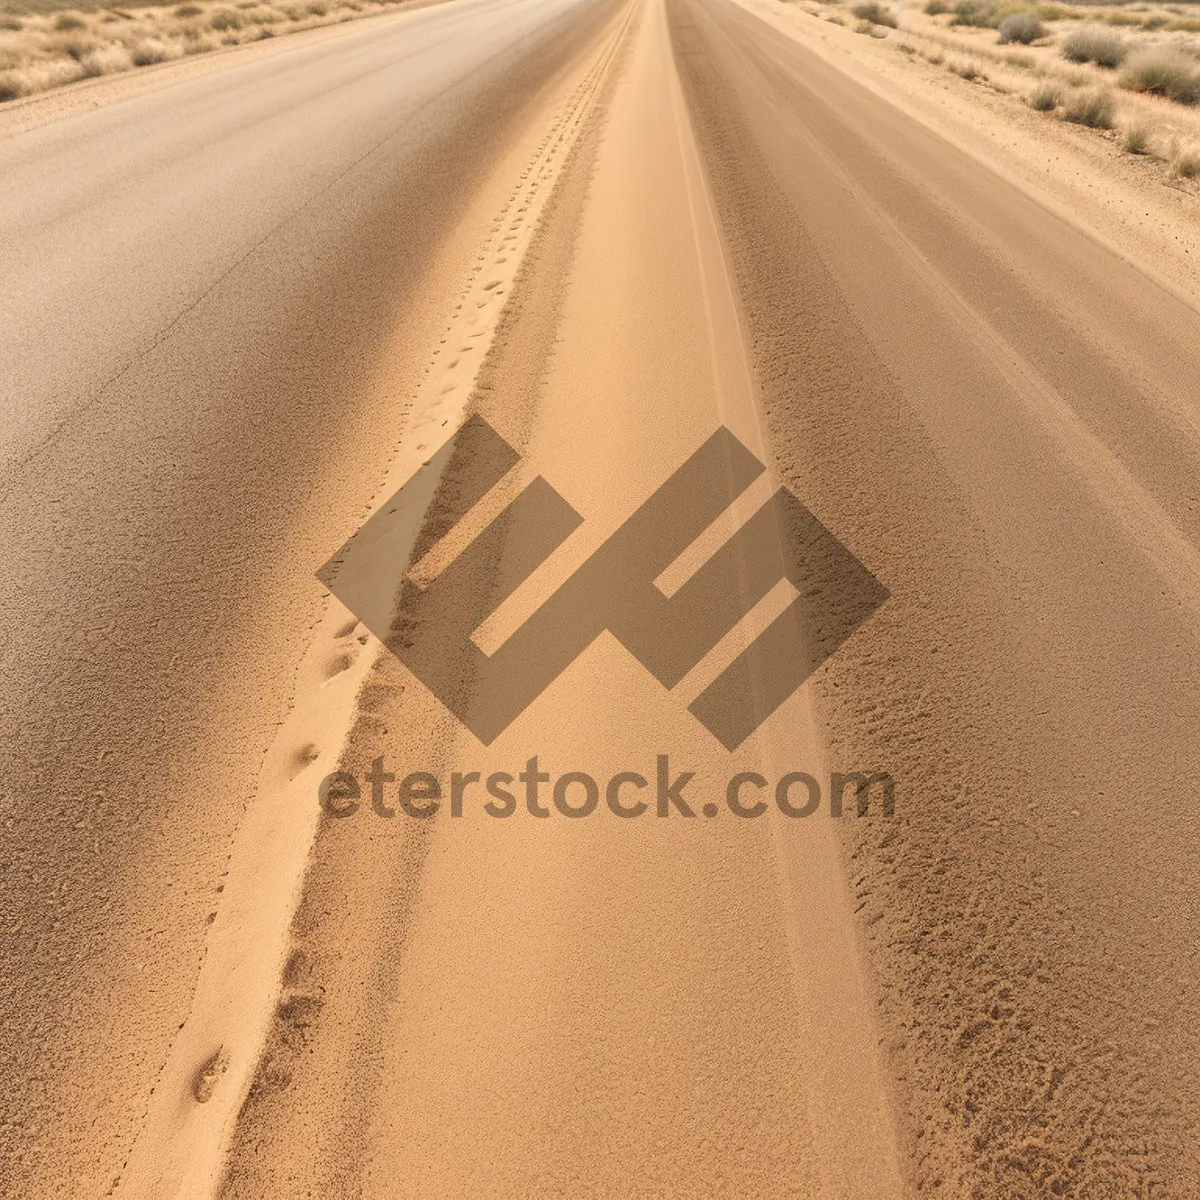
[470, 471]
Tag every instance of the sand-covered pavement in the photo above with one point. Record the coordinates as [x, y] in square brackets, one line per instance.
[622, 241]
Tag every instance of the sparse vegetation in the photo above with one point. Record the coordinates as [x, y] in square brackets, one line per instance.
[1022, 27]
[1078, 90]
[1185, 162]
[1104, 47]
[1135, 137]
[74, 46]
[1092, 107]
[1163, 71]
[51, 43]
[107, 60]
[148, 51]
[225, 19]
[1046, 96]
[967, 68]
[980, 13]
[876, 14]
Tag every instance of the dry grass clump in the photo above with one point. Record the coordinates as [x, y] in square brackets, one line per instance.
[978, 13]
[38, 76]
[1135, 137]
[1092, 107]
[1024, 27]
[1104, 47]
[109, 59]
[1185, 161]
[145, 52]
[967, 68]
[74, 46]
[876, 14]
[1163, 71]
[225, 19]
[1046, 96]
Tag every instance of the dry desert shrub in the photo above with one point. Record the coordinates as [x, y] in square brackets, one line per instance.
[1021, 27]
[110, 59]
[1104, 47]
[226, 19]
[1185, 162]
[1046, 96]
[39, 76]
[67, 22]
[1092, 107]
[145, 52]
[260, 14]
[201, 43]
[74, 46]
[982, 14]
[967, 68]
[1163, 71]
[1135, 137]
[876, 14]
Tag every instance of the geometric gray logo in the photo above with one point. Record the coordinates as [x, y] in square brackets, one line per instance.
[430, 628]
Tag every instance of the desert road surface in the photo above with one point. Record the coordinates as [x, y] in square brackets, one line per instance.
[909, 450]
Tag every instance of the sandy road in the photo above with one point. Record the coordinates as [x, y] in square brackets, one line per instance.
[1001, 414]
[221, 298]
[712, 224]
